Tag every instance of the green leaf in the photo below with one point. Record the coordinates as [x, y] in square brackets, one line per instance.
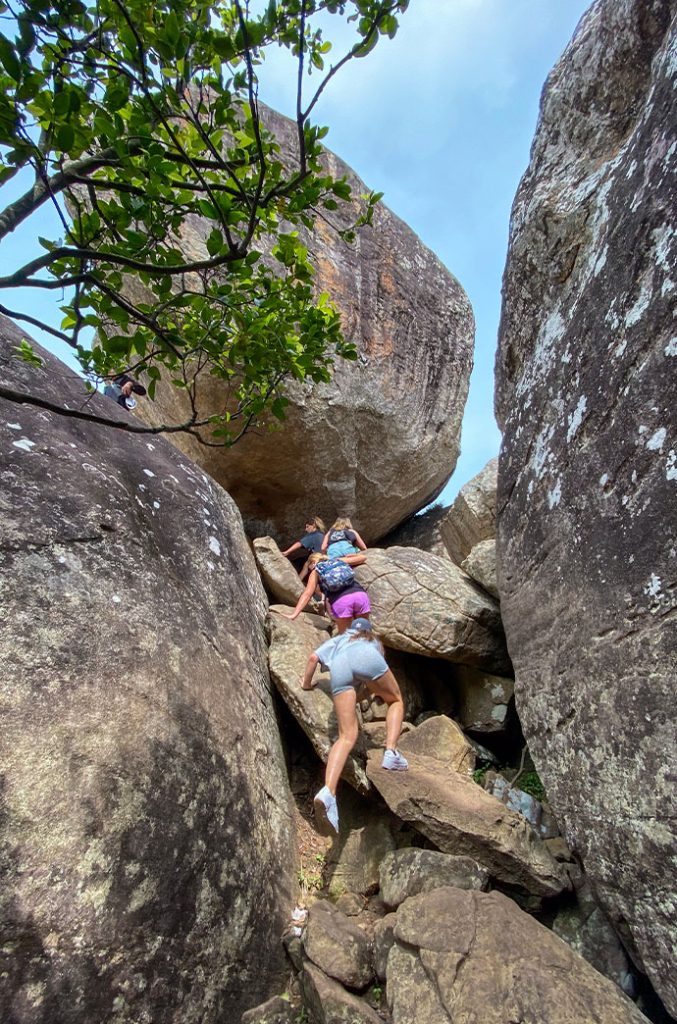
[25, 351]
[65, 137]
[9, 59]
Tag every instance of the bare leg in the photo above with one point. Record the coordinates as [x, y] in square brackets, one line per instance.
[387, 688]
[344, 705]
[342, 624]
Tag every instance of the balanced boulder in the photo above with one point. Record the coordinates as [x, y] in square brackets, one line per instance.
[380, 440]
[587, 394]
[338, 946]
[278, 574]
[442, 739]
[480, 565]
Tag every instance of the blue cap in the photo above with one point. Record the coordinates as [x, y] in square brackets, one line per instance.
[361, 624]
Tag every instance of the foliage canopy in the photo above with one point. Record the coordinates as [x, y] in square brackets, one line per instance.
[130, 118]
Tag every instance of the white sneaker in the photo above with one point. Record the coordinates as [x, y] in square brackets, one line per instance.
[393, 761]
[326, 811]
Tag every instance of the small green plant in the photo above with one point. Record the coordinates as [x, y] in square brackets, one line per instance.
[302, 1016]
[530, 783]
[309, 880]
[479, 773]
[319, 857]
[377, 993]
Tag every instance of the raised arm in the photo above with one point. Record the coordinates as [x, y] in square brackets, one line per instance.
[292, 549]
[359, 542]
[307, 681]
[304, 598]
[325, 542]
[353, 559]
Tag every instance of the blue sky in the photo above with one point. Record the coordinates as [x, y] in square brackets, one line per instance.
[440, 119]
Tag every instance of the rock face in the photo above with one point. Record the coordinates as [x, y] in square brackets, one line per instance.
[460, 818]
[330, 1003]
[425, 605]
[472, 517]
[146, 851]
[423, 531]
[587, 394]
[379, 441]
[355, 856]
[473, 956]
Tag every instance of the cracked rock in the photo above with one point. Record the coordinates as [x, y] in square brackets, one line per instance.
[473, 956]
[426, 605]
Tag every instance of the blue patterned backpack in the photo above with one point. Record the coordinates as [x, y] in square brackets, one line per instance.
[334, 575]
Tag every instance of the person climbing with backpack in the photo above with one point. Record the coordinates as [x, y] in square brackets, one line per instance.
[341, 539]
[345, 597]
[354, 658]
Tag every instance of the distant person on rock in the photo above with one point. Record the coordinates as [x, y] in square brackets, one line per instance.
[341, 539]
[346, 599]
[309, 543]
[354, 658]
[122, 389]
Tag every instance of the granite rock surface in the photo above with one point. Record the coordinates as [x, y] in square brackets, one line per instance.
[424, 604]
[145, 842]
[586, 391]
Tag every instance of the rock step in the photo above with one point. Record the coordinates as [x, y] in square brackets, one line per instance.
[459, 817]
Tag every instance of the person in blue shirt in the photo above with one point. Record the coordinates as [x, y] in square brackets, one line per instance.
[342, 539]
[310, 543]
[354, 658]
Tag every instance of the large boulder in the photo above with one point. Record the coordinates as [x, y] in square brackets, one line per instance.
[145, 842]
[290, 645]
[278, 574]
[474, 956]
[587, 394]
[382, 438]
[460, 818]
[472, 516]
[424, 604]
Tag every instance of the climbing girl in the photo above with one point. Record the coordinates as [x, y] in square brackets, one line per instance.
[345, 597]
[354, 658]
[309, 543]
[341, 539]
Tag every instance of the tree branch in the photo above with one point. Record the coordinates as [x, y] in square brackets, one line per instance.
[22, 398]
